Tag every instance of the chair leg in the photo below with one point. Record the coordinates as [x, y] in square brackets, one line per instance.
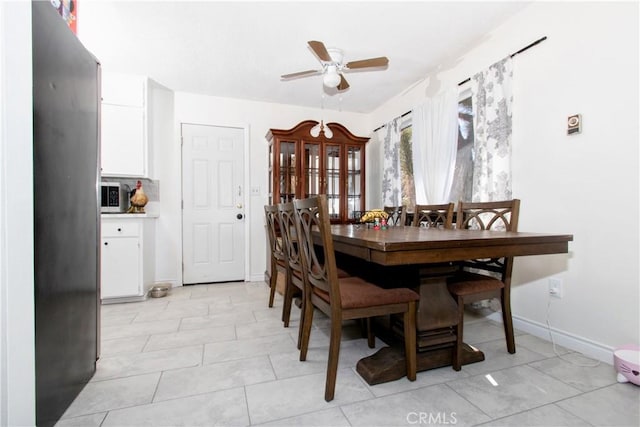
[301, 326]
[334, 357]
[367, 331]
[288, 299]
[371, 338]
[410, 341]
[505, 301]
[457, 350]
[307, 319]
[363, 327]
[272, 283]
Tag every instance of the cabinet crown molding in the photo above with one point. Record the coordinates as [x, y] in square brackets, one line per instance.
[339, 131]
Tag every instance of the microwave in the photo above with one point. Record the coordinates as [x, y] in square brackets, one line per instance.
[114, 197]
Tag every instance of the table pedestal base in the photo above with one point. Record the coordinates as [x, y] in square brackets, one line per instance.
[388, 364]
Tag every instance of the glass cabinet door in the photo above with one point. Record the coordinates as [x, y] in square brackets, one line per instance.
[287, 179]
[332, 189]
[354, 180]
[312, 185]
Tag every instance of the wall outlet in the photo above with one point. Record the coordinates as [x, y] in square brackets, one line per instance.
[555, 287]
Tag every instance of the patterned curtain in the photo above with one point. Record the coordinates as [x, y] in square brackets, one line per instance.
[492, 98]
[391, 177]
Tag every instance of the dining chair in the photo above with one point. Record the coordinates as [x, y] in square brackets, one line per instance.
[397, 215]
[433, 216]
[481, 279]
[295, 286]
[278, 256]
[343, 298]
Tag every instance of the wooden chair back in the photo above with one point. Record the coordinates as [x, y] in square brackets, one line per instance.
[273, 233]
[278, 257]
[397, 215]
[433, 216]
[500, 216]
[291, 248]
[495, 216]
[296, 283]
[318, 261]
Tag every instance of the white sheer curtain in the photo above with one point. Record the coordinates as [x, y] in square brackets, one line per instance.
[434, 127]
[390, 136]
[492, 98]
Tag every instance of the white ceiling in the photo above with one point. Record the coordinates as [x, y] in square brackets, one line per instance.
[239, 49]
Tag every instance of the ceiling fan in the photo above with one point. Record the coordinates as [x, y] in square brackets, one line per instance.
[333, 67]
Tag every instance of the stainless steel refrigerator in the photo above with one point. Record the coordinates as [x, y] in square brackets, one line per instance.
[66, 111]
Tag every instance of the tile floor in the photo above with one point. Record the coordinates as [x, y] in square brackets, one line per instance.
[217, 355]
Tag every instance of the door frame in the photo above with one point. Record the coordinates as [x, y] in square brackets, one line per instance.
[245, 196]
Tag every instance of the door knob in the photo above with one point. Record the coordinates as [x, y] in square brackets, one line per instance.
[239, 216]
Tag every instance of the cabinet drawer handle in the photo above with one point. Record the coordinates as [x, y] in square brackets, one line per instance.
[119, 230]
[106, 243]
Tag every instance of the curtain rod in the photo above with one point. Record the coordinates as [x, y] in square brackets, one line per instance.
[540, 40]
[399, 117]
[512, 55]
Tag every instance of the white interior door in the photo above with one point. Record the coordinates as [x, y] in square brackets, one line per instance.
[213, 204]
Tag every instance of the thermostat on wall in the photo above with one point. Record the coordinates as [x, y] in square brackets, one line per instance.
[574, 124]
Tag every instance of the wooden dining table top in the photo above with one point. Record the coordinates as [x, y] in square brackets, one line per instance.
[418, 245]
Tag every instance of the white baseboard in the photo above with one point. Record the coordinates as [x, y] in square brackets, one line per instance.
[176, 283]
[256, 278]
[573, 342]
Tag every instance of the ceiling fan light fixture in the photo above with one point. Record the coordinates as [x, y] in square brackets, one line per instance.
[335, 54]
[333, 66]
[331, 78]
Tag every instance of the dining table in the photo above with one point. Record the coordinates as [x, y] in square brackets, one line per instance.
[422, 259]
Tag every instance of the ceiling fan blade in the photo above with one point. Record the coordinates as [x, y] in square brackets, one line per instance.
[320, 50]
[371, 62]
[300, 74]
[343, 83]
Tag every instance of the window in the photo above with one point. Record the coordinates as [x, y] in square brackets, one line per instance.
[462, 186]
[406, 168]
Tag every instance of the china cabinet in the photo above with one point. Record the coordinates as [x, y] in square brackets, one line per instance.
[333, 163]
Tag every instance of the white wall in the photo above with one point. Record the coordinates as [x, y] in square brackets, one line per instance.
[161, 111]
[17, 349]
[586, 184]
[258, 118]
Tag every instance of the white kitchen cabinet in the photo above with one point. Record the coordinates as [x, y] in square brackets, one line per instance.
[125, 144]
[123, 136]
[127, 268]
[123, 89]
